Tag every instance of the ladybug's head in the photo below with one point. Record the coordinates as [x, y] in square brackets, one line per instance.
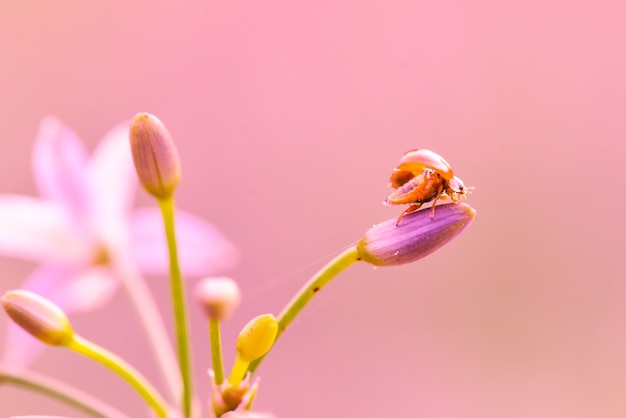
[456, 184]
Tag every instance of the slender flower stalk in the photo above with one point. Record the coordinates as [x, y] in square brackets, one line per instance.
[217, 361]
[124, 370]
[178, 301]
[60, 391]
[310, 289]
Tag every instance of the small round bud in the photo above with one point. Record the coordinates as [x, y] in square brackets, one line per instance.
[257, 337]
[155, 155]
[218, 296]
[38, 316]
[389, 244]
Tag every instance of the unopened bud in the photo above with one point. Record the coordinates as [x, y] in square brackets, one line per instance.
[389, 244]
[257, 337]
[218, 296]
[38, 316]
[155, 155]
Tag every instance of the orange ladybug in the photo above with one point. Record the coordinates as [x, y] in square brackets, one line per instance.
[421, 177]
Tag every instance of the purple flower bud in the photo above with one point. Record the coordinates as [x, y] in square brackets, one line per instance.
[155, 155]
[418, 235]
[38, 316]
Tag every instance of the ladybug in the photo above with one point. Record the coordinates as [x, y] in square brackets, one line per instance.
[421, 177]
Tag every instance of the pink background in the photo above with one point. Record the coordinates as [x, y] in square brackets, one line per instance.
[289, 116]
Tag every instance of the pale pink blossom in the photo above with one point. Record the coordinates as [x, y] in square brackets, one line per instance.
[83, 228]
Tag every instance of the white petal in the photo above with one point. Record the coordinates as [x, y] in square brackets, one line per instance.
[39, 230]
[113, 182]
[202, 248]
[59, 161]
[85, 291]
[20, 348]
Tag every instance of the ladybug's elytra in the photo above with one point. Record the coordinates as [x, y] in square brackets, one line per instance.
[423, 176]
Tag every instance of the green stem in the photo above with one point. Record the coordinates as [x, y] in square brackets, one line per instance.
[178, 299]
[153, 325]
[310, 289]
[216, 350]
[124, 370]
[62, 392]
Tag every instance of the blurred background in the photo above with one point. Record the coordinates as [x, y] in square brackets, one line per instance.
[289, 116]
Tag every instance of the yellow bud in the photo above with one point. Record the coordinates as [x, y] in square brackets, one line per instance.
[38, 316]
[257, 337]
[155, 155]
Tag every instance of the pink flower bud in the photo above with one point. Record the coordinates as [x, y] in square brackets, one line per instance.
[155, 155]
[218, 296]
[38, 316]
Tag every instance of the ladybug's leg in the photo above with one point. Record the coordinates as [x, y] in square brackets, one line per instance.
[439, 196]
[410, 209]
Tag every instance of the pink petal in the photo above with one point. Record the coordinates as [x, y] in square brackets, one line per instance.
[38, 230]
[85, 291]
[73, 290]
[59, 159]
[113, 182]
[20, 348]
[202, 248]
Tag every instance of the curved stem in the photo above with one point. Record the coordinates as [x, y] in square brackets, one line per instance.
[216, 350]
[153, 324]
[178, 300]
[310, 289]
[62, 392]
[124, 370]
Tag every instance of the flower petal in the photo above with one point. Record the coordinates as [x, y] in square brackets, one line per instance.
[112, 180]
[38, 230]
[59, 159]
[73, 290]
[202, 248]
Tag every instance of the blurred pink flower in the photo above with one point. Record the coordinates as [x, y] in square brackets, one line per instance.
[83, 226]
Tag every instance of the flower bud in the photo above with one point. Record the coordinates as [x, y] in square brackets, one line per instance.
[218, 296]
[155, 155]
[388, 244]
[257, 337]
[38, 316]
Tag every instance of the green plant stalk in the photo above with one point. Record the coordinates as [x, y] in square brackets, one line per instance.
[178, 301]
[216, 350]
[310, 289]
[62, 392]
[123, 369]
